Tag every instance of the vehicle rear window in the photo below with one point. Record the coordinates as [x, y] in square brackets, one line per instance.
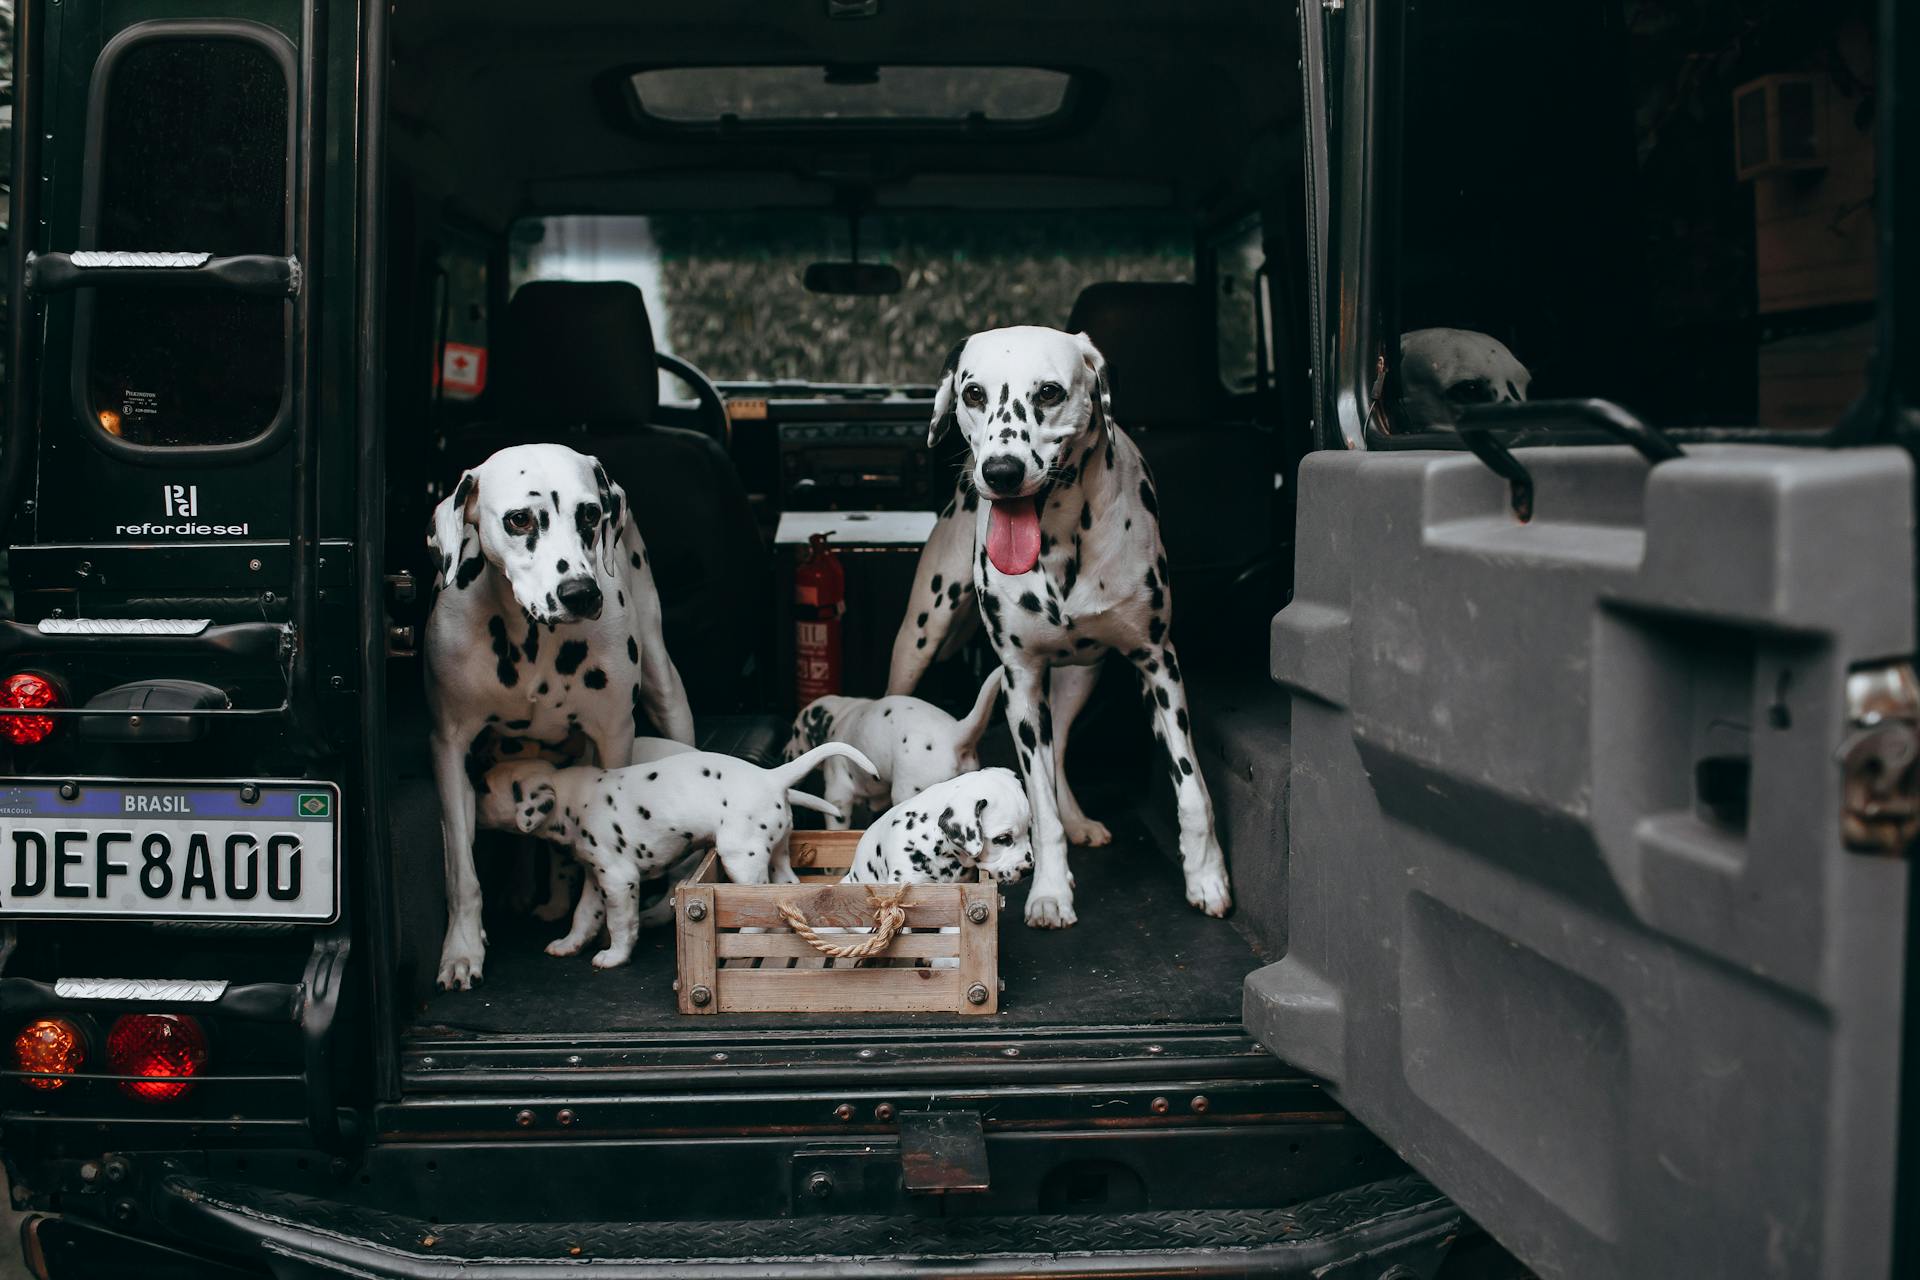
[191, 153]
[850, 94]
[1669, 205]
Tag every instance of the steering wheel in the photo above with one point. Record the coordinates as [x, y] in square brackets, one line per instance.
[708, 417]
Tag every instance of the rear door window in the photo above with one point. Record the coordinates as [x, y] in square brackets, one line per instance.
[189, 146]
[1666, 205]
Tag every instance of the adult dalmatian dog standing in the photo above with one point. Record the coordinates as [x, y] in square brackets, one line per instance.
[1055, 529]
[545, 621]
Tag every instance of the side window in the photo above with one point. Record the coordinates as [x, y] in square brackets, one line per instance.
[1240, 308]
[1669, 205]
[461, 317]
[189, 149]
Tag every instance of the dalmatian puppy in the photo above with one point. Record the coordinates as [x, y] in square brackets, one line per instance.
[495, 809]
[1066, 560]
[626, 823]
[914, 743]
[976, 820]
[1443, 372]
[545, 621]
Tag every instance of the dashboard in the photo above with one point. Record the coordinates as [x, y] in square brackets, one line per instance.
[824, 454]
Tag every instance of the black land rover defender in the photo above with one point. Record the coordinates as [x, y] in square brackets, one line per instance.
[1530, 390]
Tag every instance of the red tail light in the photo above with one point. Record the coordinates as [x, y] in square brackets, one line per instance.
[27, 690]
[163, 1047]
[50, 1045]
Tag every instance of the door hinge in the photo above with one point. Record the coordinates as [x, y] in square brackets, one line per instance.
[1880, 803]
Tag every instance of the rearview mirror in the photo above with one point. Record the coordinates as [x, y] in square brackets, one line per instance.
[863, 278]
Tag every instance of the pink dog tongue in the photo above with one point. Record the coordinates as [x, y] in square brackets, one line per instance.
[1013, 535]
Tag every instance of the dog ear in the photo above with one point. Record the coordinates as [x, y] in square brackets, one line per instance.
[1097, 366]
[450, 521]
[981, 716]
[613, 518]
[943, 395]
[977, 846]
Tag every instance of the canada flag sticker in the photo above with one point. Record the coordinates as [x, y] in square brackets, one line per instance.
[463, 370]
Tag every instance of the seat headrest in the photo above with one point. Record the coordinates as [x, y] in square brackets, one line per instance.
[578, 352]
[1153, 336]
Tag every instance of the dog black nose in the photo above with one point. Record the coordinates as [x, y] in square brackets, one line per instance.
[581, 596]
[1003, 474]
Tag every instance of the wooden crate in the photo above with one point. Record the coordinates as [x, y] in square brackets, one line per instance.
[721, 969]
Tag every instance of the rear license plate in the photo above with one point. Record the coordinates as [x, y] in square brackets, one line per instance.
[114, 849]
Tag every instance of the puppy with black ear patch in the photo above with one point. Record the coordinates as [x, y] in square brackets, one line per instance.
[626, 823]
[977, 821]
[497, 809]
[914, 744]
[1056, 525]
[545, 621]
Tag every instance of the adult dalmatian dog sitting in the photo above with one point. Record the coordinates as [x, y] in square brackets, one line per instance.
[545, 621]
[1055, 529]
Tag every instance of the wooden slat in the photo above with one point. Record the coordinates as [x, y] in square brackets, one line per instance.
[708, 872]
[832, 850]
[908, 946]
[840, 990]
[838, 905]
[980, 948]
[694, 943]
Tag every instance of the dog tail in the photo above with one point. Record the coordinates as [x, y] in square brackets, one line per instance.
[801, 800]
[800, 766]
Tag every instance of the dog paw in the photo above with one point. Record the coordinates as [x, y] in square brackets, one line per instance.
[1049, 910]
[1208, 891]
[564, 947]
[610, 958]
[1086, 832]
[460, 970]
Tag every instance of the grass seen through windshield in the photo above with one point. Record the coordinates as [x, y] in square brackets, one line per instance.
[724, 291]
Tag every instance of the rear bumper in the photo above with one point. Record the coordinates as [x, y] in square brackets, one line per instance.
[1364, 1231]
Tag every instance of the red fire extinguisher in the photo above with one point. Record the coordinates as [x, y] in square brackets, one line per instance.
[819, 601]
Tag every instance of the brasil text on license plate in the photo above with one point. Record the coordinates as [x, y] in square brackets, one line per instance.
[110, 848]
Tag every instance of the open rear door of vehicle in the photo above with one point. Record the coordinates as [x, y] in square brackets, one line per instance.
[1598, 895]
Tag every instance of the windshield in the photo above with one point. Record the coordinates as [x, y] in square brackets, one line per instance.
[724, 291]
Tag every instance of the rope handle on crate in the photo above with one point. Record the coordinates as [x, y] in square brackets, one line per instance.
[889, 918]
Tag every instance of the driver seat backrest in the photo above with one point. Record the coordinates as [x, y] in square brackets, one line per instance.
[576, 368]
[1210, 472]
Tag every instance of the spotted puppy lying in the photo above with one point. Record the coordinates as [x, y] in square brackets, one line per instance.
[977, 820]
[624, 824]
[913, 743]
